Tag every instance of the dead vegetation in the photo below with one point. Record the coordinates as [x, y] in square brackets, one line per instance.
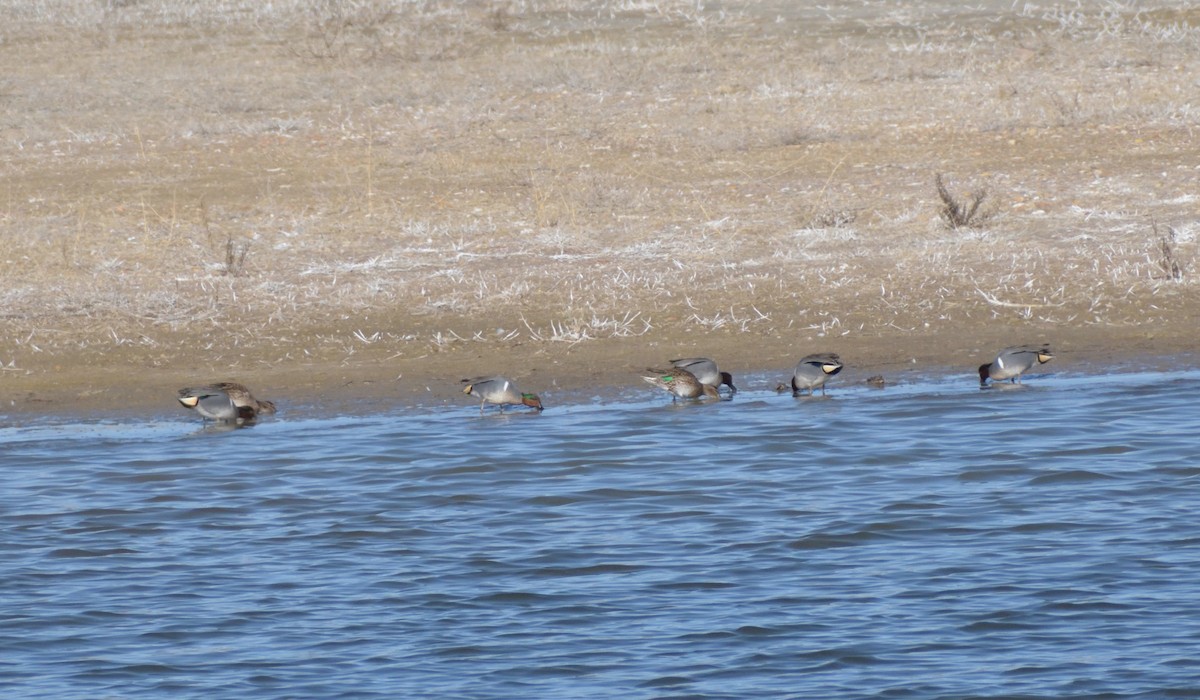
[421, 177]
[1169, 260]
[335, 30]
[960, 213]
[235, 257]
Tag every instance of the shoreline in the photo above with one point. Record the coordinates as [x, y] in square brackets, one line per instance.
[561, 376]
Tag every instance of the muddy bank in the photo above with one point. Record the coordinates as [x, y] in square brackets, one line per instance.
[604, 370]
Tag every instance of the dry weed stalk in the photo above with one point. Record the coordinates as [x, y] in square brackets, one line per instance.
[823, 215]
[498, 19]
[336, 27]
[830, 218]
[235, 257]
[1169, 260]
[959, 214]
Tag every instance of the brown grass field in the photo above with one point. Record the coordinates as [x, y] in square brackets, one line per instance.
[366, 201]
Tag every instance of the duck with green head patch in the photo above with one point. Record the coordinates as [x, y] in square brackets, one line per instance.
[680, 383]
[500, 391]
[706, 371]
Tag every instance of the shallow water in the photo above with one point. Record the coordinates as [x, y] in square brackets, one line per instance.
[923, 541]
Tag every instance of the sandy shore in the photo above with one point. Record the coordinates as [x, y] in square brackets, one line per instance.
[562, 375]
[355, 212]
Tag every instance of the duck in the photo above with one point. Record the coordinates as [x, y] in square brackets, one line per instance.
[813, 371]
[1012, 362]
[680, 383]
[500, 391]
[706, 371]
[225, 402]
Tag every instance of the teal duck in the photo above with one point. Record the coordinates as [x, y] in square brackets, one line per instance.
[813, 371]
[706, 371]
[501, 391]
[224, 402]
[1012, 362]
[680, 383]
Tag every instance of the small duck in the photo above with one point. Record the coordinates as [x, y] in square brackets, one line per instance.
[1012, 362]
[813, 371]
[225, 402]
[680, 383]
[706, 371]
[501, 391]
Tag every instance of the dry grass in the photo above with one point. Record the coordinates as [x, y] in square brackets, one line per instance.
[321, 179]
[1169, 261]
[960, 214]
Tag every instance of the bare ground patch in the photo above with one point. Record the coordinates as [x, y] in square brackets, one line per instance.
[392, 199]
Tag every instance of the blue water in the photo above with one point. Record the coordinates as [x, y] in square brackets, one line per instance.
[924, 541]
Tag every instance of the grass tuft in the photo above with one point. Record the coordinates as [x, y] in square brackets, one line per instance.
[1169, 260]
[960, 214]
[235, 257]
[336, 28]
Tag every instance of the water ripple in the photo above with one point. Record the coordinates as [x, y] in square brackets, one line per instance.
[927, 541]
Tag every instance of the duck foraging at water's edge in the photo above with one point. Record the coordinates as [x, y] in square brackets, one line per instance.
[224, 402]
[1012, 362]
[813, 371]
[706, 371]
[500, 391]
[680, 383]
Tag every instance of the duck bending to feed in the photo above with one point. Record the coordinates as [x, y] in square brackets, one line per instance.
[225, 402]
[706, 371]
[680, 383]
[813, 371]
[1012, 362]
[501, 391]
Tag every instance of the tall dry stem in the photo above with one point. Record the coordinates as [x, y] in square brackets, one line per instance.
[959, 214]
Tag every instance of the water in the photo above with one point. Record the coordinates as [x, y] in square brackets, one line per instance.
[924, 541]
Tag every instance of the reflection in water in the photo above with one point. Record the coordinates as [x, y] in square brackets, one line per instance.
[929, 540]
